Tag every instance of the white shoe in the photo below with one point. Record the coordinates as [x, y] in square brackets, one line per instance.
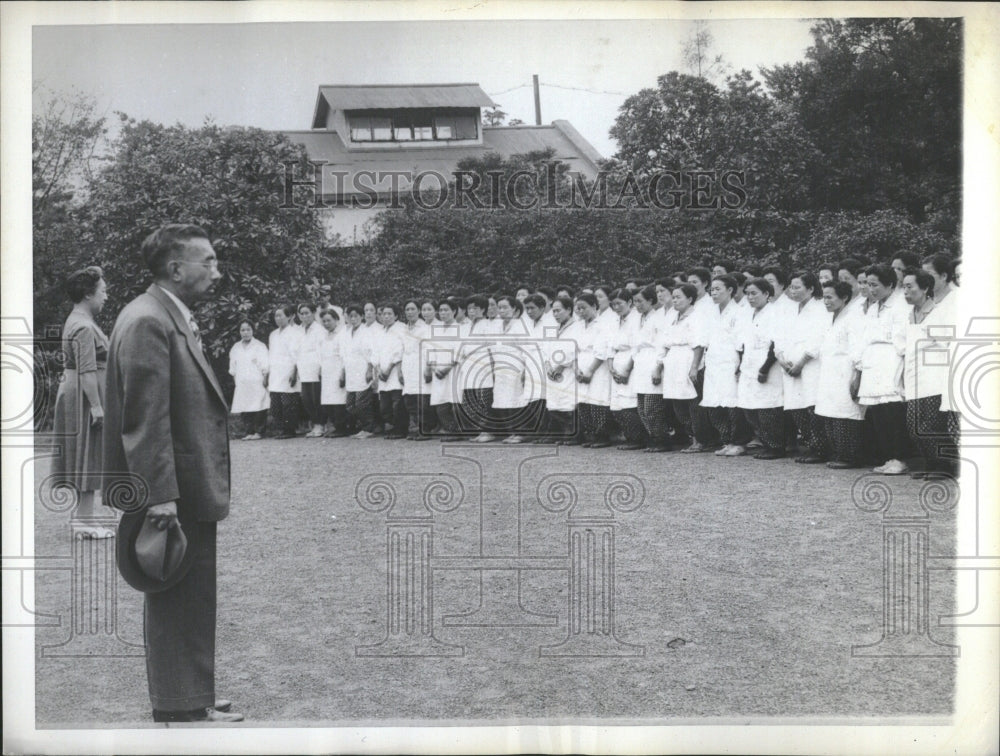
[894, 467]
[724, 451]
[484, 438]
[736, 451]
[252, 437]
[363, 434]
[880, 468]
[514, 440]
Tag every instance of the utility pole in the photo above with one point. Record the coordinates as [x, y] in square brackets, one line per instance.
[538, 101]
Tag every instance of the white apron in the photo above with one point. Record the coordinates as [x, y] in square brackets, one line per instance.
[757, 337]
[331, 366]
[248, 364]
[722, 356]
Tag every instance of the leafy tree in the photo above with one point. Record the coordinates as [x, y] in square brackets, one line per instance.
[697, 53]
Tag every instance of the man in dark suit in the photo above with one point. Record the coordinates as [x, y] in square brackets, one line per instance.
[166, 423]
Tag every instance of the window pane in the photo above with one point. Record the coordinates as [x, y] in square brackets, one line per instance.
[445, 127]
[381, 129]
[423, 132]
[361, 129]
[402, 133]
[465, 127]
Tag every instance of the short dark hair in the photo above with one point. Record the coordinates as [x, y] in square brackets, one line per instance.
[512, 301]
[288, 309]
[778, 273]
[565, 301]
[329, 311]
[605, 288]
[307, 305]
[763, 284]
[885, 274]
[688, 290]
[704, 275]
[810, 281]
[830, 266]
[727, 280]
[354, 308]
[623, 294]
[479, 300]
[547, 291]
[942, 264]
[568, 289]
[83, 282]
[426, 300]
[666, 283]
[925, 281]
[648, 292]
[842, 289]
[755, 271]
[728, 265]
[909, 259]
[166, 241]
[852, 266]
[452, 303]
[536, 299]
[390, 306]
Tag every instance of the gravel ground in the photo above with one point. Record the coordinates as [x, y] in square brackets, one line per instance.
[744, 584]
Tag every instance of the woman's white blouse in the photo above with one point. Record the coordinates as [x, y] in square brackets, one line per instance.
[249, 364]
[387, 349]
[356, 353]
[593, 343]
[801, 334]
[927, 361]
[307, 359]
[442, 350]
[758, 334]
[283, 349]
[509, 365]
[622, 342]
[331, 367]
[475, 365]
[836, 367]
[880, 353]
[680, 339]
[561, 350]
[647, 348]
[412, 368]
[724, 342]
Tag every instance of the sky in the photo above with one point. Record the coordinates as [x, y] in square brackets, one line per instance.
[266, 74]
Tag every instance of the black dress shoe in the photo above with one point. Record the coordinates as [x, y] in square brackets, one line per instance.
[809, 460]
[209, 714]
[837, 464]
[769, 454]
[631, 447]
[600, 445]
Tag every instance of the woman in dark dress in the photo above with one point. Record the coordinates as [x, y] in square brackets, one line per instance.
[79, 407]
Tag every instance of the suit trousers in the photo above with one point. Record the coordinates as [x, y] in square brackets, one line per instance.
[180, 633]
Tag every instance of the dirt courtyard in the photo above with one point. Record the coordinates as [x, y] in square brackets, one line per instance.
[735, 588]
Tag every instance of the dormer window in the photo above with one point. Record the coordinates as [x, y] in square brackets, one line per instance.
[414, 125]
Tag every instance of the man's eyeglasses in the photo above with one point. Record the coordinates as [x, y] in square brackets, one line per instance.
[213, 264]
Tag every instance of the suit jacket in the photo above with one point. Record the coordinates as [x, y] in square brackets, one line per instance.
[165, 416]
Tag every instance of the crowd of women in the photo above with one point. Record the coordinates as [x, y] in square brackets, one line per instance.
[847, 366]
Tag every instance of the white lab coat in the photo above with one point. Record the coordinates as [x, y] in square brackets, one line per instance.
[331, 366]
[509, 365]
[622, 341]
[759, 332]
[561, 350]
[249, 364]
[680, 339]
[440, 351]
[927, 359]
[724, 341]
[387, 349]
[801, 333]
[647, 348]
[475, 362]
[593, 344]
[283, 348]
[412, 368]
[836, 367]
[880, 353]
[307, 358]
[356, 354]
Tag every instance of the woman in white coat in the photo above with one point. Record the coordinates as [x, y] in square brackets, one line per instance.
[439, 360]
[842, 416]
[878, 377]
[683, 344]
[421, 420]
[624, 403]
[283, 378]
[387, 356]
[723, 343]
[332, 394]
[307, 364]
[646, 350]
[510, 369]
[759, 392]
[560, 373]
[592, 375]
[248, 364]
[797, 348]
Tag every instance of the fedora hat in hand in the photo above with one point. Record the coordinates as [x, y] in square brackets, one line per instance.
[151, 559]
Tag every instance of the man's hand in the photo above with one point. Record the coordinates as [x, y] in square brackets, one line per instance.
[163, 515]
[96, 416]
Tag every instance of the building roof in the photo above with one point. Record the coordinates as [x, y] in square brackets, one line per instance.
[328, 147]
[393, 96]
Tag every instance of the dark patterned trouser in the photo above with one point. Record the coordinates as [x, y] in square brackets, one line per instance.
[844, 438]
[361, 407]
[310, 401]
[475, 413]
[811, 429]
[564, 424]
[254, 422]
[393, 412]
[929, 431]
[422, 419]
[889, 423]
[285, 409]
[731, 424]
[653, 414]
[686, 411]
[594, 419]
[628, 420]
[769, 425]
[446, 419]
